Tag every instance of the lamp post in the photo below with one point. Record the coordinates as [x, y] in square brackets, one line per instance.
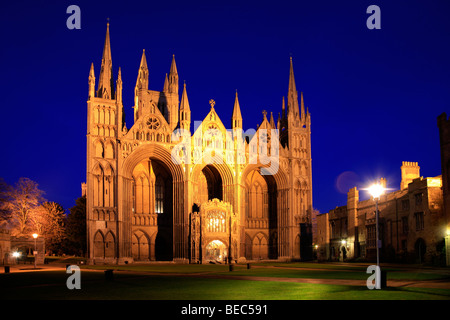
[35, 235]
[376, 190]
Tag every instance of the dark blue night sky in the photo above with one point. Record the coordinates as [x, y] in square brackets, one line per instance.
[374, 95]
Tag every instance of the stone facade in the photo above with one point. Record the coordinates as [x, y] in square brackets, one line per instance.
[411, 223]
[164, 189]
[444, 139]
[26, 245]
[5, 247]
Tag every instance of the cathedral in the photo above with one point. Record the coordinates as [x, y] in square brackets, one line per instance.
[172, 189]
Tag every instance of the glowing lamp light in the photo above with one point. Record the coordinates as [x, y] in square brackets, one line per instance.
[344, 242]
[16, 254]
[376, 190]
[35, 235]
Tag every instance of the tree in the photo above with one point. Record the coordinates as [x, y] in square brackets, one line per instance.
[19, 203]
[4, 212]
[75, 228]
[48, 220]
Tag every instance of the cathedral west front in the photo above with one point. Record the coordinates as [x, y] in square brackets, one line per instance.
[169, 188]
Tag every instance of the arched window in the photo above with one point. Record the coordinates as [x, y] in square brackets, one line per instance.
[159, 195]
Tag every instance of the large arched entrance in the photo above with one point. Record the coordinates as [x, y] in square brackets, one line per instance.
[152, 209]
[261, 215]
[213, 182]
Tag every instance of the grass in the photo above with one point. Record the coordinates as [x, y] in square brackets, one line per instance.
[284, 270]
[140, 284]
[52, 285]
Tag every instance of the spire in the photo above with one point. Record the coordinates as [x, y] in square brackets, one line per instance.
[292, 99]
[106, 82]
[302, 106]
[184, 105]
[143, 60]
[121, 112]
[185, 111]
[91, 82]
[272, 122]
[236, 119]
[142, 79]
[119, 87]
[279, 122]
[173, 77]
[166, 84]
[173, 66]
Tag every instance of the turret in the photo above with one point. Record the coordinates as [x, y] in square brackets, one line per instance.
[91, 82]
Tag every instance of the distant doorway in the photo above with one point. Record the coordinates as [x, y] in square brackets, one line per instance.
[420, 249]
[216, 251]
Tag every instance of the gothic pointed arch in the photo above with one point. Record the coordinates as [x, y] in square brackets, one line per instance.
[99, 245]
[141, 245]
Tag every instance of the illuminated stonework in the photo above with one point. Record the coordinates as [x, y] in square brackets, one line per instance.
[412, 223]
[159, 191]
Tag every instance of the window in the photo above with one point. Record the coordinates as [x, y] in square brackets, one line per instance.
[333, 230]
[216, 221]
[405, 205]
[405, 228]
[418, 198]
[419, 221]
[159, 195]
[371, 236]
[404, 245]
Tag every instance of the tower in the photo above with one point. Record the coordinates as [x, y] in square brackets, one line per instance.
[296, 138]
[410, 171]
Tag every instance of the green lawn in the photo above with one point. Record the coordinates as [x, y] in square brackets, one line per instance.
[129, 286]
[140, 283]
[286, 270]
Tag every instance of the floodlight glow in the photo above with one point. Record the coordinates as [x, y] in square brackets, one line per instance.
[35, 235]
[376, 190]
[343, 242]
[16, 254]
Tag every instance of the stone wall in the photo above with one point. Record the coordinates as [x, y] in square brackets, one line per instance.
[5, 246]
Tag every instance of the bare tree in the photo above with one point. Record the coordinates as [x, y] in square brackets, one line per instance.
[21, 201]
[48, 221]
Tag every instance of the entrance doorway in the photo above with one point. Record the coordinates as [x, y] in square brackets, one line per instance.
[216, 251]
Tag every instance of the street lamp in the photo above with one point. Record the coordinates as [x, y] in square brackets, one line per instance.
[35, 235]
[376, 190]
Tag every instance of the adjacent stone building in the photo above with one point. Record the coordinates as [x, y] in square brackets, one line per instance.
[412, 223]
[170, 188]
[5, 246]
[444, 139]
